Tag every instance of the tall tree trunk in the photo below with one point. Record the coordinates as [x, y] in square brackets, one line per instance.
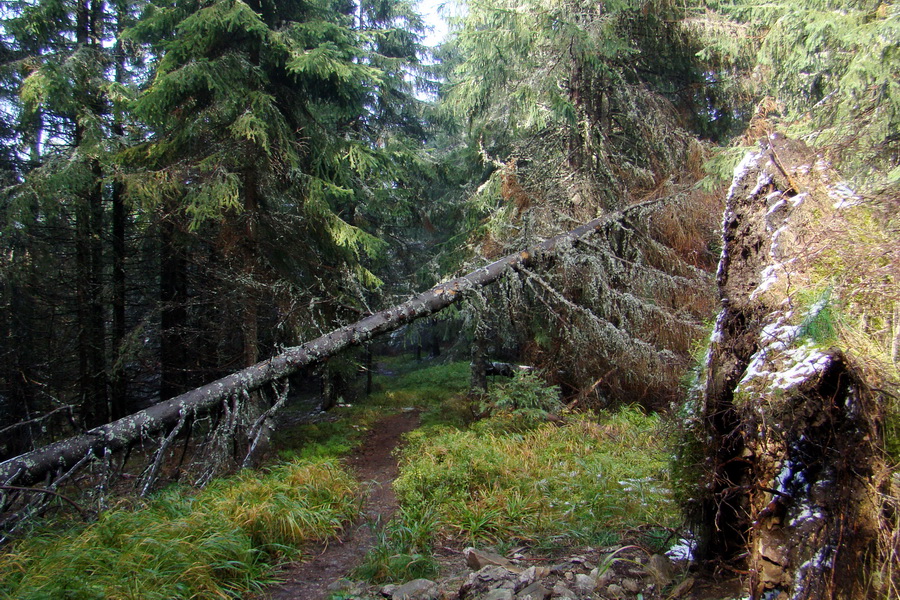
[173, 313]
[93, 400]
[369, 367]
[97, 319]
[479, 363]
[119, 382]
[118, 376]
[93, 406]
[16, 401]
[250, 317]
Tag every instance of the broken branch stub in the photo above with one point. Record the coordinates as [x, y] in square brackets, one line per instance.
[33, 466]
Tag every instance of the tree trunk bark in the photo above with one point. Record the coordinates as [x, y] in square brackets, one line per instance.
[62, 455]
[369, 367]
[118, 391]
[118, 383]
[479, 385]
[94, 407]
[17, 402]
[173, 317]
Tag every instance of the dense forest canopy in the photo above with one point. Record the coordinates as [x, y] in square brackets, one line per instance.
[189, 187]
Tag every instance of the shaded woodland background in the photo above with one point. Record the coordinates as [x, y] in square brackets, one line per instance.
[189, 187]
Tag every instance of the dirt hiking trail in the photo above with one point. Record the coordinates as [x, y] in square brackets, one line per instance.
[375, 466]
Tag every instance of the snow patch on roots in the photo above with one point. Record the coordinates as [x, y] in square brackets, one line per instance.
[778, 212]
[780, 364]
[747, 164]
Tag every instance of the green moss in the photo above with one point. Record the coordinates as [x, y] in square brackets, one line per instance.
[892, 430]
[819, 323]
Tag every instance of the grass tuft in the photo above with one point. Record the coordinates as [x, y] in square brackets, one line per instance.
[576, 482]
[219, 543]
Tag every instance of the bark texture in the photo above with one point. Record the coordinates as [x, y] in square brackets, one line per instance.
[63, 455]
[788, 427]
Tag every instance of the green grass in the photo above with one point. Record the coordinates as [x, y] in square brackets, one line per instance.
[418, 384]
[325, 439]
[589, 481]
[496, 481]
[402, 549]
[438, 389]
[219, 543]
[577, 481]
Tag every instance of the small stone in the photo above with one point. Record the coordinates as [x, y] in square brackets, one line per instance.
[561, 591]
[682, 588]
[603, 578]
[532, 574]
[535, 591]
[585, 584]
[388, 590]
[478, 559]
[449, 587]
[570, 576]
[493, 573]
[615, 591]
[417, 589]
[632, 585]
[499, 594]
[662, 569]
[772, 573]
[340, 584]
[488, 578]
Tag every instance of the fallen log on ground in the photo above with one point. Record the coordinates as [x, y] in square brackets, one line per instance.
[69, 454]
[504, 369]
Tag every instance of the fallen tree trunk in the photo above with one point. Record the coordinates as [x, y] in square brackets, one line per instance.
[504, 369]
[67, 454]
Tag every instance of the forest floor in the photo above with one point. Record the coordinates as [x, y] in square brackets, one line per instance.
[373, 463]
[329, 570]
[575, 507]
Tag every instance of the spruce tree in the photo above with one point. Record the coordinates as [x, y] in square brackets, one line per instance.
[66, 98]
[823, 70]
[272, 130]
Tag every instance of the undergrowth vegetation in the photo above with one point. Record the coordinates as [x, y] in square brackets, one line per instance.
[492, 483]
[589, 480]
[414, 384]
[438, 389]
[220, 542]
[510, 478]
[326, 438]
